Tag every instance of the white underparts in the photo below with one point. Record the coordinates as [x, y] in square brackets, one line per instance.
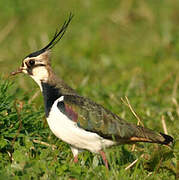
[68, 131]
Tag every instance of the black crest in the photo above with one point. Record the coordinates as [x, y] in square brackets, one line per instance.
[57, 36]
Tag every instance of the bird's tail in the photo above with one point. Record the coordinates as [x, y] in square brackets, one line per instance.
[147, 135]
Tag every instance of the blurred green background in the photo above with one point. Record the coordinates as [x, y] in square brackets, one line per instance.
[111, 49]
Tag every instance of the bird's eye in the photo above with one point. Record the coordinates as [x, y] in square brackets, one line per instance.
[31, 62]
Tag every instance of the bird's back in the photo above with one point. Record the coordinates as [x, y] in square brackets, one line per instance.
[95, 118]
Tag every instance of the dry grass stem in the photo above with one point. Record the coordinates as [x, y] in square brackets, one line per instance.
[33, 97]
[44, 143]
[10, 156]
[134, 162]
[127, 103]
[164, 125]
[150, 173]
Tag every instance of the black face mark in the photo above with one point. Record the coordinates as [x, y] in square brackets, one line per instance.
[31, 62]
[30, 65]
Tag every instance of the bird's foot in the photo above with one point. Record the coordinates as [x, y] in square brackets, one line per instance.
[104, 158]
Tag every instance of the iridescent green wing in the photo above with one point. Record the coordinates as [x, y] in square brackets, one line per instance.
[95, 118]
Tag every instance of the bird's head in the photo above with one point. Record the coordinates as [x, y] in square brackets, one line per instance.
[37, 64]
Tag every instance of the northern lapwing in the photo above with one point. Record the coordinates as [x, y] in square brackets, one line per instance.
[77, 120]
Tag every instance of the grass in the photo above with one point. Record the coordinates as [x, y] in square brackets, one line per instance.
[110, 50]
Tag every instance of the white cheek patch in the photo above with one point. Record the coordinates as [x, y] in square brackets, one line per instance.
[39, 74]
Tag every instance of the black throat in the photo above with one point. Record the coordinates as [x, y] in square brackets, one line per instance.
[50, 94]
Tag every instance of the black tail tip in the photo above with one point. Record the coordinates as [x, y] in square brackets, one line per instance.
[168, 140]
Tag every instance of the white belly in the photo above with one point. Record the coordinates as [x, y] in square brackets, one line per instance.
[68, 131]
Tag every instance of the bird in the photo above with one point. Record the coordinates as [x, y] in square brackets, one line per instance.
[77, 120]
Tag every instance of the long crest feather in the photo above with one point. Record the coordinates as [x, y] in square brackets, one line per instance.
[59, 34]
[57, 37]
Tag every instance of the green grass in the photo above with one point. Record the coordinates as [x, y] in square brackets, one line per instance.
[110, 50]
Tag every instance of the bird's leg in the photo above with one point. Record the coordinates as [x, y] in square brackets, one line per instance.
[75, 160]
[104, 158]
[75, 154]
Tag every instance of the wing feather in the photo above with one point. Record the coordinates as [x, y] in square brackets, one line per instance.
[95, 118]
